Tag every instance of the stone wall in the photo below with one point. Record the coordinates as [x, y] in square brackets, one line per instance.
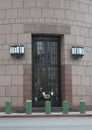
[14, 14]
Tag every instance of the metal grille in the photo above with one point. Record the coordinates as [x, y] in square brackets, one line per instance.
[46, 70]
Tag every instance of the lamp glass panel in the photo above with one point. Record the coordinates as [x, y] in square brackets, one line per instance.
[78, 51]
[17, 49]
[22, 49]
[12, 50]
[73, 50]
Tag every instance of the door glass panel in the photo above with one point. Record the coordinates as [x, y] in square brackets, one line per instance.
[53, 83]
[52, 53]
[46, 71]
[39, 53]
[39, 84]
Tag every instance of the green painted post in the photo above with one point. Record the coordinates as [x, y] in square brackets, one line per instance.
[28, 107]
[47, 107]
[82, 106]
[65, 107]
[8, 107]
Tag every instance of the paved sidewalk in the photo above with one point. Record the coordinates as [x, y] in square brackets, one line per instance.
[60, 123]
[53, 114]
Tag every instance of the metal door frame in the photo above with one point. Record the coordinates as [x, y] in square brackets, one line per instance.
[47, 38]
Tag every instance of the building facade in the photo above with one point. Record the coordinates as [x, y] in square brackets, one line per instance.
[48, 69]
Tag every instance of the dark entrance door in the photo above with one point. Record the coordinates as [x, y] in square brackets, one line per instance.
[46, 71]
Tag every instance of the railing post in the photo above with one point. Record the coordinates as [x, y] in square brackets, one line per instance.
[65, 107]
[8, 107]
[82, 106]
[47, 107]
[28, 107]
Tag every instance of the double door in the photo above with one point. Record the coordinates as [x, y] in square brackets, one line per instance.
[46, 71]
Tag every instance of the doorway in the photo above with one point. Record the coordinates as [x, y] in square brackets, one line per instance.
[46, 70]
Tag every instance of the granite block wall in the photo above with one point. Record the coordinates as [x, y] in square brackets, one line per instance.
[14, 76]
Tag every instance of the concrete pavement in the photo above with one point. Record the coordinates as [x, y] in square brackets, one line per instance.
[60, 123]
[42, 121]
[55, 114]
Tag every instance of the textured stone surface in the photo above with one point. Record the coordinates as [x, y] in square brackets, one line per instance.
[69, 19]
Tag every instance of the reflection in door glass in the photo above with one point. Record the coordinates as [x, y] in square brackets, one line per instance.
[46, 72]
[39, 53]
[52, 52]
[39, 83]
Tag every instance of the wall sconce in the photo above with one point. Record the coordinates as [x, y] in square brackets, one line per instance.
[17, 50]
[77, 52]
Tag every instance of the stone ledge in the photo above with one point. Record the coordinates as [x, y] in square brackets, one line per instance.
[47, 29]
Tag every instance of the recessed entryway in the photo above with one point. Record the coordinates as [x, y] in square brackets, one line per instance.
[46, 70]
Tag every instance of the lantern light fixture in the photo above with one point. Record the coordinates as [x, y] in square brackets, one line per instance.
[77, 51]
[17, 50]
